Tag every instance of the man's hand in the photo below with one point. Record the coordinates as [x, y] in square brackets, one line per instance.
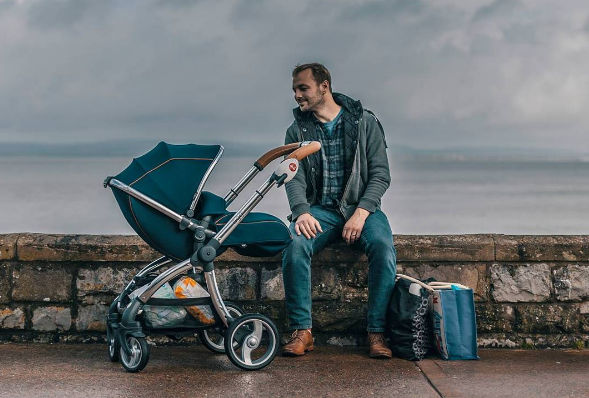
[353, 227]
[307, 225]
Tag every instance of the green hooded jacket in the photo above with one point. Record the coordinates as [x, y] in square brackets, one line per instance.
[366, 172]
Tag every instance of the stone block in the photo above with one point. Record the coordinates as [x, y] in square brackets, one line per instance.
[445, 247]
[495, 341]
[340, 253]
[12, 318]
[41, 247]
[237, 283]
[231, 256]
[92, 318]
[106, 279]
[271, 287]
[547, 318]
[495, 317]
[542, 248]
[337, 316]
[44, 282]
[104, 299]
[571, 282]
[356, 275]
[5, 278]
[273, 310]
[584, 311]
[471, 275]
[325, 283]
[8, 246]
[529, 283]
[350, 293]
[52, 318]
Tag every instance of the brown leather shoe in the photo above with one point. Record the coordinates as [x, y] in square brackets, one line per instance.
[378, 347]
[300, 342]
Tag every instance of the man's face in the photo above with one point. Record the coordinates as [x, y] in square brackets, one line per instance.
[307, 93]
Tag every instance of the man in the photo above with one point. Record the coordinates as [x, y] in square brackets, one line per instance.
[336, 193]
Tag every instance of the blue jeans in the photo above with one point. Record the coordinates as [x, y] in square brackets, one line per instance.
[377, 241]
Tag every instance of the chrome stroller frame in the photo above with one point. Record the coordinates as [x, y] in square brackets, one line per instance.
[242, 333]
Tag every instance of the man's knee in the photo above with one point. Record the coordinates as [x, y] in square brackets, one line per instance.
[379, 243]
[299, 248]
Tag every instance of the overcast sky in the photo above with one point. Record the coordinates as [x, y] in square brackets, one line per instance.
[442, 73]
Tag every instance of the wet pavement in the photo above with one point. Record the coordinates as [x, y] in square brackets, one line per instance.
[84, 370]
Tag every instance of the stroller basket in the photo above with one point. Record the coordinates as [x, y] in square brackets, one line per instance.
[161, 196]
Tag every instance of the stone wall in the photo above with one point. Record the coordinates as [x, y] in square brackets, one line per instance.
[531, 291]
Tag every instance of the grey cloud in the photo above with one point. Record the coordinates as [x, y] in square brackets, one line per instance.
[498, 8]
[62, 14]
[454, 72]
[382, 9]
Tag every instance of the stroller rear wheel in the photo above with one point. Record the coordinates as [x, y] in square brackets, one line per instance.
[113, 345]
[251, 341]
[214, 338]
[139, 356]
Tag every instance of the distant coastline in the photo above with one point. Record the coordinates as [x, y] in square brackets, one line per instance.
[130, 148]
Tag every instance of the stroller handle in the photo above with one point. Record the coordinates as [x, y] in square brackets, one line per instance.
[275, 153]
[307, 148]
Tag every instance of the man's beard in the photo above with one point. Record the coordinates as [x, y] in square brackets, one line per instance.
[312, 102]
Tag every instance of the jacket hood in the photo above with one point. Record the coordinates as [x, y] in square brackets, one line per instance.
[349, 104]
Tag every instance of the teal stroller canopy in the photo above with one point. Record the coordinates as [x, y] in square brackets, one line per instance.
[173, 175]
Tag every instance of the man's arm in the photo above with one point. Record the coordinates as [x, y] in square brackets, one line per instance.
[296, 189]
[379, 177]
[379, 180]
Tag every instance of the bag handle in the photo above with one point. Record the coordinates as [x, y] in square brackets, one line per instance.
[432, 285]
[446, 285]
[420, 283]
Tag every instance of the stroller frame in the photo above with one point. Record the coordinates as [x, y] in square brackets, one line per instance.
[127, 334]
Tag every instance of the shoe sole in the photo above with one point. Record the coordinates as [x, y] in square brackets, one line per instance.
[380, 356]
[294, 354]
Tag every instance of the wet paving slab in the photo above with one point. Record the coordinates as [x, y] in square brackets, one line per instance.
[192, 371]
[38, 370]
[512, 373]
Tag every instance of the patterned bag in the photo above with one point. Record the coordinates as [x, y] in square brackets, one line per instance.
[409, 323]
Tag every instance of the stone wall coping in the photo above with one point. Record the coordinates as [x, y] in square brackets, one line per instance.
[542, 247]
[467, 248]
[8, 246]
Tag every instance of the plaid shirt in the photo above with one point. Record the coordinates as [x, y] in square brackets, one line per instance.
[332, 161]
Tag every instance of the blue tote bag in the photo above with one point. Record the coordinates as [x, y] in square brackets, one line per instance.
[454, 321]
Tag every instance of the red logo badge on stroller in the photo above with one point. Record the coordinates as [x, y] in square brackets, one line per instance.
[292, 167]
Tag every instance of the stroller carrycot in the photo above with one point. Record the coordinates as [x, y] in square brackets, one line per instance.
[174, 175]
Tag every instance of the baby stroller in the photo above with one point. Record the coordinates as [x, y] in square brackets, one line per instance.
[161, 196]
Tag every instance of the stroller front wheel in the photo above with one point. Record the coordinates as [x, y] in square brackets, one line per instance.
[137, 359]
[251, 341]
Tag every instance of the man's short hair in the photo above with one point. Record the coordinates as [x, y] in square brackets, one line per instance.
[320, 72]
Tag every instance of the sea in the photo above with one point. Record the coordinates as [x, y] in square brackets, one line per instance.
[65, 195]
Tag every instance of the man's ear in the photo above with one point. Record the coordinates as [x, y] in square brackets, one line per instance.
[325, 86]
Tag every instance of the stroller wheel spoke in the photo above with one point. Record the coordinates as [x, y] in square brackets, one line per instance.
[251, 342]
[254, 341]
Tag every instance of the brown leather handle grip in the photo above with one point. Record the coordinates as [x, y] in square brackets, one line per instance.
[305, 151]
[275, 153]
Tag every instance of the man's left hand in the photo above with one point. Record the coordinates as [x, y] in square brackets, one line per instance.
[353, 227]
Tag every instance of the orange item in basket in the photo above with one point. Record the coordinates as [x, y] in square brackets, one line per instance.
[187, 287]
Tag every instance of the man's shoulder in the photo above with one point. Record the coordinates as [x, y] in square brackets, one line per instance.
[373, 124]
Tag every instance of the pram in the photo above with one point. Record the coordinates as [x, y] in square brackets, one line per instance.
[161, 196]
